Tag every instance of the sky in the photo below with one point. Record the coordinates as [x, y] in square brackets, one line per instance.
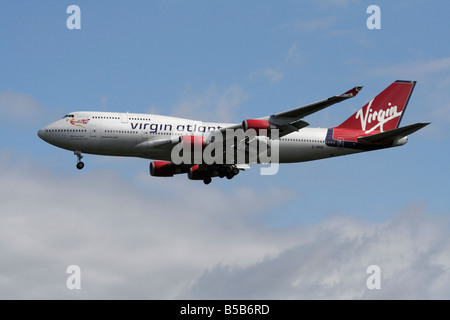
[308, 232]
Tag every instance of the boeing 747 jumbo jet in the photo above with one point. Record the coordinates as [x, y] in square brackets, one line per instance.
[205, 150]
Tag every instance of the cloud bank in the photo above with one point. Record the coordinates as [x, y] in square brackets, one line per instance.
[147, 238]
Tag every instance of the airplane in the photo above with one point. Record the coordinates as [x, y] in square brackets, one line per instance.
[375, 126]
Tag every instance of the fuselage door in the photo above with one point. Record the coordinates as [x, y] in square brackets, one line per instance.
[124, 117]
[93, 131]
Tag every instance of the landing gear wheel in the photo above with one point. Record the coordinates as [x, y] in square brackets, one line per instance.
[207, 180]
[80, 165]
[235, 171]
[230, 175]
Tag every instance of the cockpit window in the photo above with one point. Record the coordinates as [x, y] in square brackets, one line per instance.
[68, 116]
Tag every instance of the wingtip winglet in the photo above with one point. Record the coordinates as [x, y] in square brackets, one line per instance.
[406, 81]
[352, 92]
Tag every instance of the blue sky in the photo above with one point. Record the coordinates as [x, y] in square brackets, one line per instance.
[222, 61]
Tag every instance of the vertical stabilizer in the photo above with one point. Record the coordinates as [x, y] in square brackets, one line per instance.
[383, 112]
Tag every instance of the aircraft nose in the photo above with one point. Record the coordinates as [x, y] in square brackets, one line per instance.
[41, 134]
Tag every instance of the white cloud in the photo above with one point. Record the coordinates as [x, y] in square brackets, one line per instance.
[273, 75]
[276, 74]
[294, 55]
[130, 241]
[415, 69]
[329, 261]
[431, 94]
[174, 238]
[213, 104]
[20, 107]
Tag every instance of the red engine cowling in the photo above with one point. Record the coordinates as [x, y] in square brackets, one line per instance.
[192, 149]
[192, 143]
[195, 173]
[257, 125]
[165, 169]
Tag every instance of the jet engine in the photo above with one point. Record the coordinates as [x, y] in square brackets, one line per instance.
[195, 173]
[260, 126]
[165, 169]
[193, 143]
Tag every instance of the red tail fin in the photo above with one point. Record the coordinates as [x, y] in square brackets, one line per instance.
[384, 112]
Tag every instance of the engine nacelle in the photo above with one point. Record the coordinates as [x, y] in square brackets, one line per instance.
[165, 169]
[257, 125]
[192, 143]
[195, 173]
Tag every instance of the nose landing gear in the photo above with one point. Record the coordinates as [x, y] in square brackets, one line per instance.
[80, 164]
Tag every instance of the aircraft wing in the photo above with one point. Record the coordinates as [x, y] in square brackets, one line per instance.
[308, 109]
[162, 145]
[290, 121]
[286, 122]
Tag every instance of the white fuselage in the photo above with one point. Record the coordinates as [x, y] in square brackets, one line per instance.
[120, 134]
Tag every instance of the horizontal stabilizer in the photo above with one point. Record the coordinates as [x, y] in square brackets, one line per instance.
[394, 134]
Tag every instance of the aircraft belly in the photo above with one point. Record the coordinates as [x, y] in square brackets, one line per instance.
[299, 152]
[305, 145]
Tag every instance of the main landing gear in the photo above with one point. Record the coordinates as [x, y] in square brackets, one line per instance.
[228, 172]
[222, 171]
[207, 180]
[80, 164]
